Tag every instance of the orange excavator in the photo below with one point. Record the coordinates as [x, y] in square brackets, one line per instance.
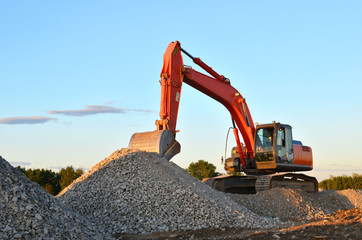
[269, 156]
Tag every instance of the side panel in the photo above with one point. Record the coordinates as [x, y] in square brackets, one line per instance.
[303, 155]
[303, 160]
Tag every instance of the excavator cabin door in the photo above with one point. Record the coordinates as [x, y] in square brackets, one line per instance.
[273, 145]
[284, 144]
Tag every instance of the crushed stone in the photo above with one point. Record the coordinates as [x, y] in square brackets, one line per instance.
[290, 204]
[134, 192]
[27, 211]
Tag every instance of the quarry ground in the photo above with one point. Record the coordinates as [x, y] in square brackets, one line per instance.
[137, 195]
[344, 224]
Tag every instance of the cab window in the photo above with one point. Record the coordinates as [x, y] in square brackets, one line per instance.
[281, 137]
[264, 139]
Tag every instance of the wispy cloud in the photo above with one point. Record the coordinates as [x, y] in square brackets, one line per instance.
[20, 163]
[336, 167]
[25, 120]
[137, 110]
[57, 167]
[96, 109]
[110, 102]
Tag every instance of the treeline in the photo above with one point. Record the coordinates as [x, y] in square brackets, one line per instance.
[342, 182]
[52, 182]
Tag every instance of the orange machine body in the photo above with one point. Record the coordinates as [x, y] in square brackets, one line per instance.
[218, 87]
[303, 155]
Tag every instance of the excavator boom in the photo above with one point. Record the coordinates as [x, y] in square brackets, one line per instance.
[216, 86]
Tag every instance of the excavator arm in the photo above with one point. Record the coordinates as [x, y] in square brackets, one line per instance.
[216, 86]
[224, 93]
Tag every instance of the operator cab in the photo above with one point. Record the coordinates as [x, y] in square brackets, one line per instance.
[275, 151]
[273, 145]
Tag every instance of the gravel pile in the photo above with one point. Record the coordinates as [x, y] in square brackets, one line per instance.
[289, 204]
[138, 192]
[133, 192]
[29, 212]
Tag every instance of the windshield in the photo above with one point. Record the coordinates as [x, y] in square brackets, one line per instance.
[264, 139]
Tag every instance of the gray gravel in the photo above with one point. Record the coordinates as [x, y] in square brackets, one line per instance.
[291, 205]
[138, 192]
[133, 192]
[29, 212]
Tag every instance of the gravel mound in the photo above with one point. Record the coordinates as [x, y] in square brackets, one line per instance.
[137, 192]
[133, 192]
[29, 212]
[289, 204]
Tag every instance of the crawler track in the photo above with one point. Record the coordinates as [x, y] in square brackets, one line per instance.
[286, 180]
[253, 184]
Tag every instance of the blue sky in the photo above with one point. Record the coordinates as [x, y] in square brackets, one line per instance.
[77, 78]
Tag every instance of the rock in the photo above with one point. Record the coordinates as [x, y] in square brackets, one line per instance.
[320, 237]
[276, 236]
[28, 207]
[8, 228]
[38, 216]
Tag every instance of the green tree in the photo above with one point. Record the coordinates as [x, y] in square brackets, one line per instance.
[202, 169]
[68, 175]
[50, 189]
[46, 178]
[52, 182]
[342, 182]
[356, 181]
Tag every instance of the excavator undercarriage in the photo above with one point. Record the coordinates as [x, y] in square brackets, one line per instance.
[252, 184]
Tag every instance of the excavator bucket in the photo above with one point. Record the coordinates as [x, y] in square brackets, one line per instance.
[162, 142]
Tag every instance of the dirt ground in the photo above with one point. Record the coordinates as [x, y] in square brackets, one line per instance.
[344, 224]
